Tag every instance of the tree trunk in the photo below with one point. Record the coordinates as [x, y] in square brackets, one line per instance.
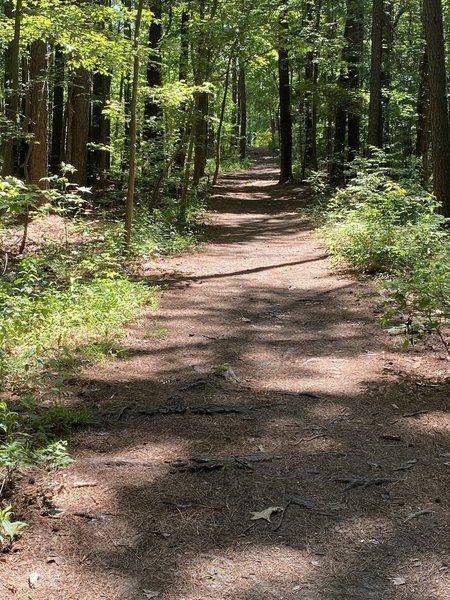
[221, 118]
[285, 105]
[182, 76]
[242, 92]
[12, 68]
[78, 138]
[440, 125]
[234, 106]
[355, 38]
[152, 109]
[56, 152]
[100, 157]
[347, 117]
[375, 131]
[38, 152]
[133, 129]
[423, 118]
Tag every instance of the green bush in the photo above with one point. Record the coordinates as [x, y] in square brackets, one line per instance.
[376, 225]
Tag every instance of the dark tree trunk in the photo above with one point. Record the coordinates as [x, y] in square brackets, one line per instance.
[355, 37]
[200, 124]
[133, 129]
[38, 151]
[234, 106]
[201, 135]
[375, 132]
[100, 125]
[12, 68]
[386, 74]
[347, 115]
[152, 109]
[78, 136]
[423, 118]
[184, 46]
[440, 125]
[242, 93]
[308, 151]
[182, 76]
[56, 152]
[284, 86]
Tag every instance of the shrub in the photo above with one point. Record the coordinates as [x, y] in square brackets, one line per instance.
[376, 225]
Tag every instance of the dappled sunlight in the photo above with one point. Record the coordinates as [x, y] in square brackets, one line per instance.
[267, 570]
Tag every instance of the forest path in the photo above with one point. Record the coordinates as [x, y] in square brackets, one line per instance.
[287, 374]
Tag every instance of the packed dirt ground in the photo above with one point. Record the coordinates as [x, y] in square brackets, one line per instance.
[262, 437]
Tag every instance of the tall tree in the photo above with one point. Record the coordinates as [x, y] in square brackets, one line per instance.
[242, 103]
[12, 72]
[375, 130]
[133, 128]
[347, 114]
[58, 133]
[37, 164]
[78, 124]
[440, 125]
[152, 109]
[285, 103]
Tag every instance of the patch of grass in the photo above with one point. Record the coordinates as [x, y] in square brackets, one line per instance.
[44, 325]
[231, 164]
[160, 333]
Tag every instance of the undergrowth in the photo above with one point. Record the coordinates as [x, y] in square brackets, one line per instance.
[62, 305]
[391, 228]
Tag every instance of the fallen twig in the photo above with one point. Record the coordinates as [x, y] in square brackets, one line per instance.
[82, 484]
[208, 463]
[314, 437]
[417, 514]
[299, 501]
[415, 413]
[181, 409]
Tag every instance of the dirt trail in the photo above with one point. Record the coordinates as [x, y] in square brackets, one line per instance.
[327, 421]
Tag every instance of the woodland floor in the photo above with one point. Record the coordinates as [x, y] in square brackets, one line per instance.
[333, 421]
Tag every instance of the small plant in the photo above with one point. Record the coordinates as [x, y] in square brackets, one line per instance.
[159, 333]
[9, 529]
[221, 368]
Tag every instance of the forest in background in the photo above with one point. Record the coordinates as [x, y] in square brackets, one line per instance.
[116, 116]
[105, 86]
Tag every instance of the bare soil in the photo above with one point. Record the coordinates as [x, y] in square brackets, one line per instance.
[261, 353]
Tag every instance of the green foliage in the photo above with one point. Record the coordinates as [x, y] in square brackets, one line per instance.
[9, 529]
[377, 225]
[418, 298]
[231, 164]
[15, 196]
[27, 438]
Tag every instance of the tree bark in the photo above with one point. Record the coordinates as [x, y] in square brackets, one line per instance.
[285, 105]
[133, 129]
[38, 152]
[221, 119]
[375, 131]
[78, 137]
[100, 157]
[12, 68]
[440, 125]
[242, 93]
[57, 145]
[423, 118]
[152, 109]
